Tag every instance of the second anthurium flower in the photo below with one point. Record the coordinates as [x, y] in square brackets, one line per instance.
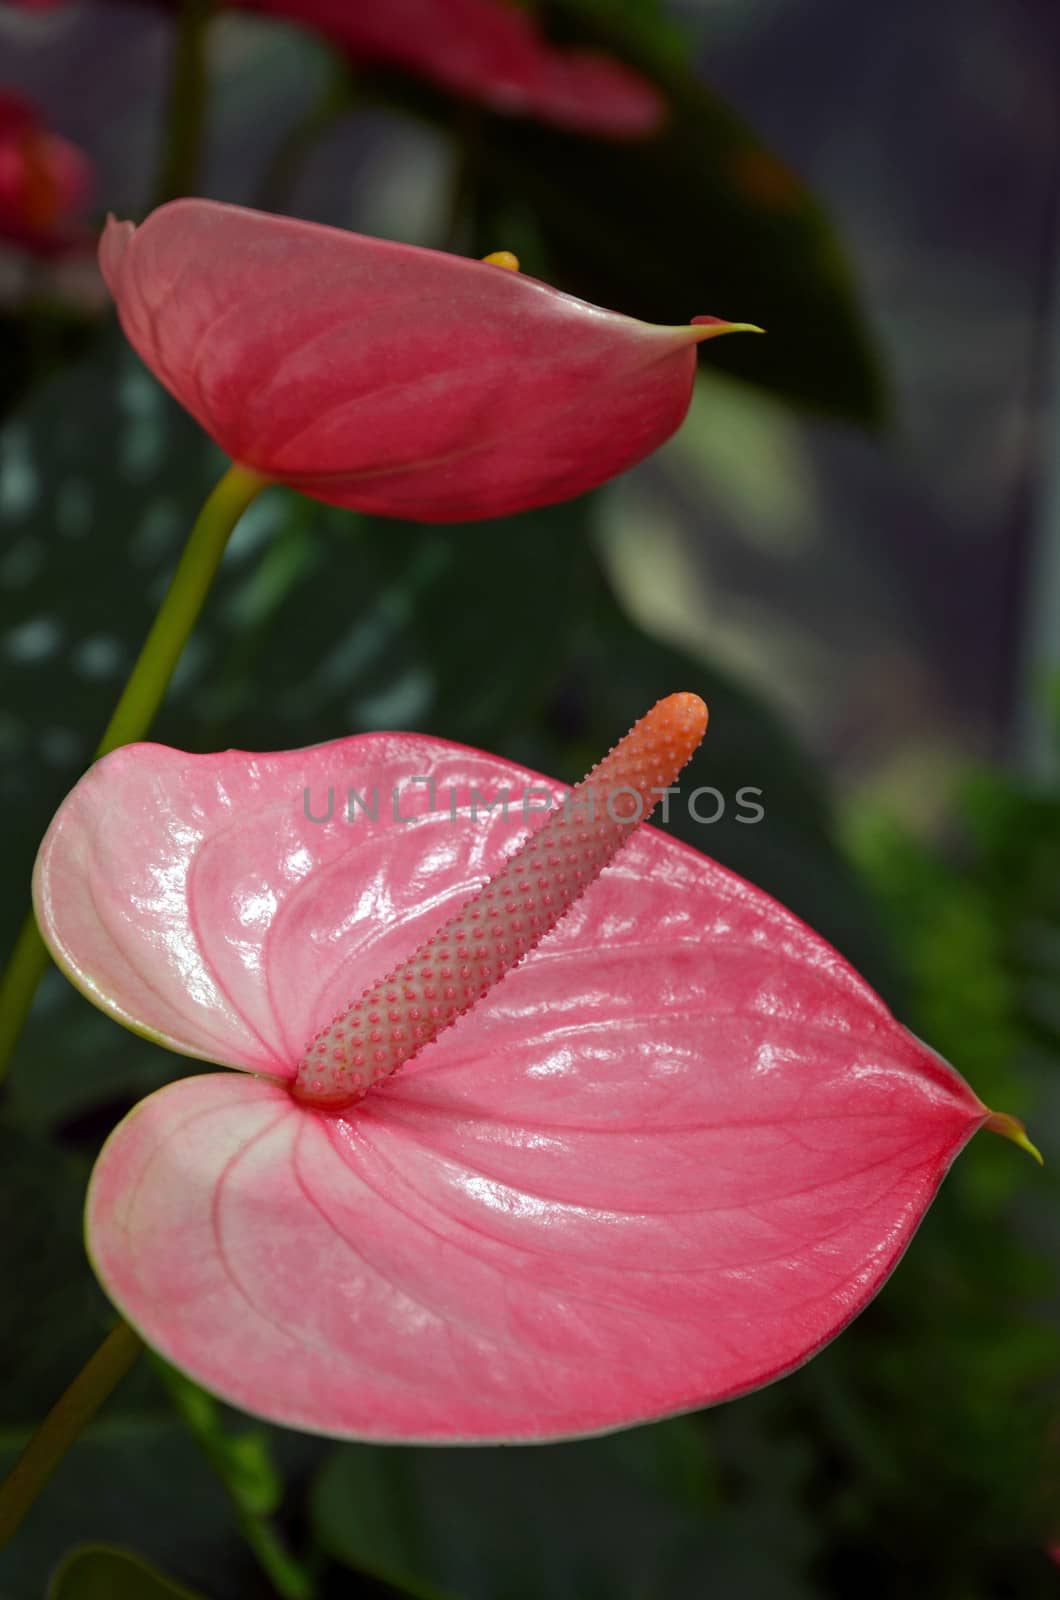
[45, 183]
[388, 378]
[526, 1142]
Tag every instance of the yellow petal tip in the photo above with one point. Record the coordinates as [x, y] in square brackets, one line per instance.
[1012, 1128]
[714, 327]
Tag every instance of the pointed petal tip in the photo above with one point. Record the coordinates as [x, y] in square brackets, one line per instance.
[1012, 1128]
[113, 242]
[116, 224]
[714, 327]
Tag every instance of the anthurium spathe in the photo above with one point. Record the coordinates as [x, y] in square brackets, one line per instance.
[612, 1136]
[491, 52]
[388, 378]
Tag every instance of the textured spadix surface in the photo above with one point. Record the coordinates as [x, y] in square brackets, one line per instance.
[391, 379]
[663, 1161]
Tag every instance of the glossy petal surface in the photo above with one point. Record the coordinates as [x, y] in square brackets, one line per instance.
[667, 1158]
[387, 378]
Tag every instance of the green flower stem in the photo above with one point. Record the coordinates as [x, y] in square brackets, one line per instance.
[464, 183]
[180, 609]
[21, 979]
[186, 105]
[284, 168]
[71, 1413]
[63, 1425]
[139, 702]
[249, 1479]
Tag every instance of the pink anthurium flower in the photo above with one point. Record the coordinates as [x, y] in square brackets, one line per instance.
[45, 182]
[388, 378]
[490, 52]
[611, 1137]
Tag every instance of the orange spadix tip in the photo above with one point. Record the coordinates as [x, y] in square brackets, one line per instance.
[684, 716]
[502, 258]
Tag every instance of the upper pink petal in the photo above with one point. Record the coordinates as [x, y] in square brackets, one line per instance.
[392, 379]
[590, 92]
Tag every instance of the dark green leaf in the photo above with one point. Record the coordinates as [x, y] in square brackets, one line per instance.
[630, 1517]
[748, 760]
[699, 218]
[36, 341]
[52, 1314]
[103, 1572]
[138, 1483]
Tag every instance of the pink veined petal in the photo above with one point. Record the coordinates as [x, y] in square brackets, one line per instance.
[662, 1162]
[584, 1232]
[387, 378]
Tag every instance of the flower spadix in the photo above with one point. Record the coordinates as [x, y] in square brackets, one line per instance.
[537, 1134]
[388, 378]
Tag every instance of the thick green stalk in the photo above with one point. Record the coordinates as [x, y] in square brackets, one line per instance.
[183, 134]
[284, 167]
[180, 609]
[65, 1421]
[139, 702]
[21, 979]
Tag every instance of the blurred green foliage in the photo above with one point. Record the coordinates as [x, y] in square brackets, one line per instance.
[638, 1514]
[102, 1572]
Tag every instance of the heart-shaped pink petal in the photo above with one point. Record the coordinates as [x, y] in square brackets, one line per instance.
[387, 378]
[669, 1156]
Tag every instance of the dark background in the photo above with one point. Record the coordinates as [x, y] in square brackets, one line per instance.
[852, 549]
